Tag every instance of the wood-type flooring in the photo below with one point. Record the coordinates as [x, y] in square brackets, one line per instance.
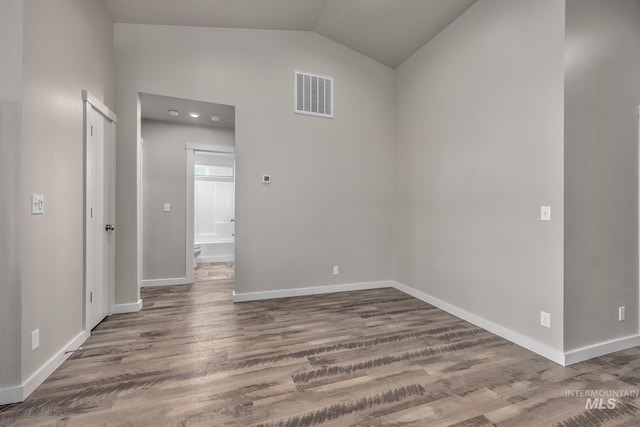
[192, 357]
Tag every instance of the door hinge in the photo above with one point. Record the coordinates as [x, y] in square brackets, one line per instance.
[91, 130]
[90, 296]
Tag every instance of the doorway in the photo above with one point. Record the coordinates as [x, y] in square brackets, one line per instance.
[99, 248]
[173, 130]
[214, 215]
[211, 213]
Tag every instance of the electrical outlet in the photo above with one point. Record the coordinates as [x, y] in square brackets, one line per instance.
[167, 207]
[545, 319]
[621, 314]
[336, 270]
[35, 339]
[545, 213]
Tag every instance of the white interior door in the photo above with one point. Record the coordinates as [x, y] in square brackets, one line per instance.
[99, 215]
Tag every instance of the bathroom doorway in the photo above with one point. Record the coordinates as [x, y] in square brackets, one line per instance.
[210, 213]
[214, 215]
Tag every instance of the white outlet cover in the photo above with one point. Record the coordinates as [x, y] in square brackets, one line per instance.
[545, 213]
[545, 319]
[266, 179]
[35, 339]
[336, 270]
[167, 207]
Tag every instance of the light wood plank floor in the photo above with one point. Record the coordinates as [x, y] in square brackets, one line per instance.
[369, 358]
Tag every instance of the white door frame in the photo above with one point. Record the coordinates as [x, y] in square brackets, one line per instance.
[191, 149]
[91, 102]
[140, 212]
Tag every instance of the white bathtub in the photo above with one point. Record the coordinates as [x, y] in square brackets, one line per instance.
[216, 252]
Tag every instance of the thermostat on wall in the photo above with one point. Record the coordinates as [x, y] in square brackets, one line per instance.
[266, 179]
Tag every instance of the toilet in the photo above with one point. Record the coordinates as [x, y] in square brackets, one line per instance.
[196, 253]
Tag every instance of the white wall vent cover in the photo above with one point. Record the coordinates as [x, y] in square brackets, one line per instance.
[313, 94]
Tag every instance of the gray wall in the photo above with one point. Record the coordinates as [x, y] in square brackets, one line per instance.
[330, 200]
[478, 150]
[11, 24]
[602, 93]
[128, 263]
[164, 181]
[68, 46]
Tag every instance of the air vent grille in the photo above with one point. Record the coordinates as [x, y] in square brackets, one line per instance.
[313, 94]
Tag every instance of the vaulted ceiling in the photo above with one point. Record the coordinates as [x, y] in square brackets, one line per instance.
[388, 31]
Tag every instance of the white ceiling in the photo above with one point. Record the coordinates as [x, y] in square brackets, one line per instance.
[388, 31]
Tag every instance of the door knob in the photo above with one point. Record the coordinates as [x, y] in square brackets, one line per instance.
[110, 227]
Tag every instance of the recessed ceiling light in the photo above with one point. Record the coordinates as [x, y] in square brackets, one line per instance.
[173, 113]
[194, 115]
[215, 118]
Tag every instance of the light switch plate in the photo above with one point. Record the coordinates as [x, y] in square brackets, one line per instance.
[37, 204]
[167, 207]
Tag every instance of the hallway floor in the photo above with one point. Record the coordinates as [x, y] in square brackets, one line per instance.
[207, 271]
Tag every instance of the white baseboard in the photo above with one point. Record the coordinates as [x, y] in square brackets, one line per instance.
[600, 349]
[286, 293]
[127, 308]
[12, 395]
[506, 333]
[21, 392]
[165, 282]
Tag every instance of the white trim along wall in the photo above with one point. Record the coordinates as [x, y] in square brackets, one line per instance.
[21, 392]
[561, 358]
